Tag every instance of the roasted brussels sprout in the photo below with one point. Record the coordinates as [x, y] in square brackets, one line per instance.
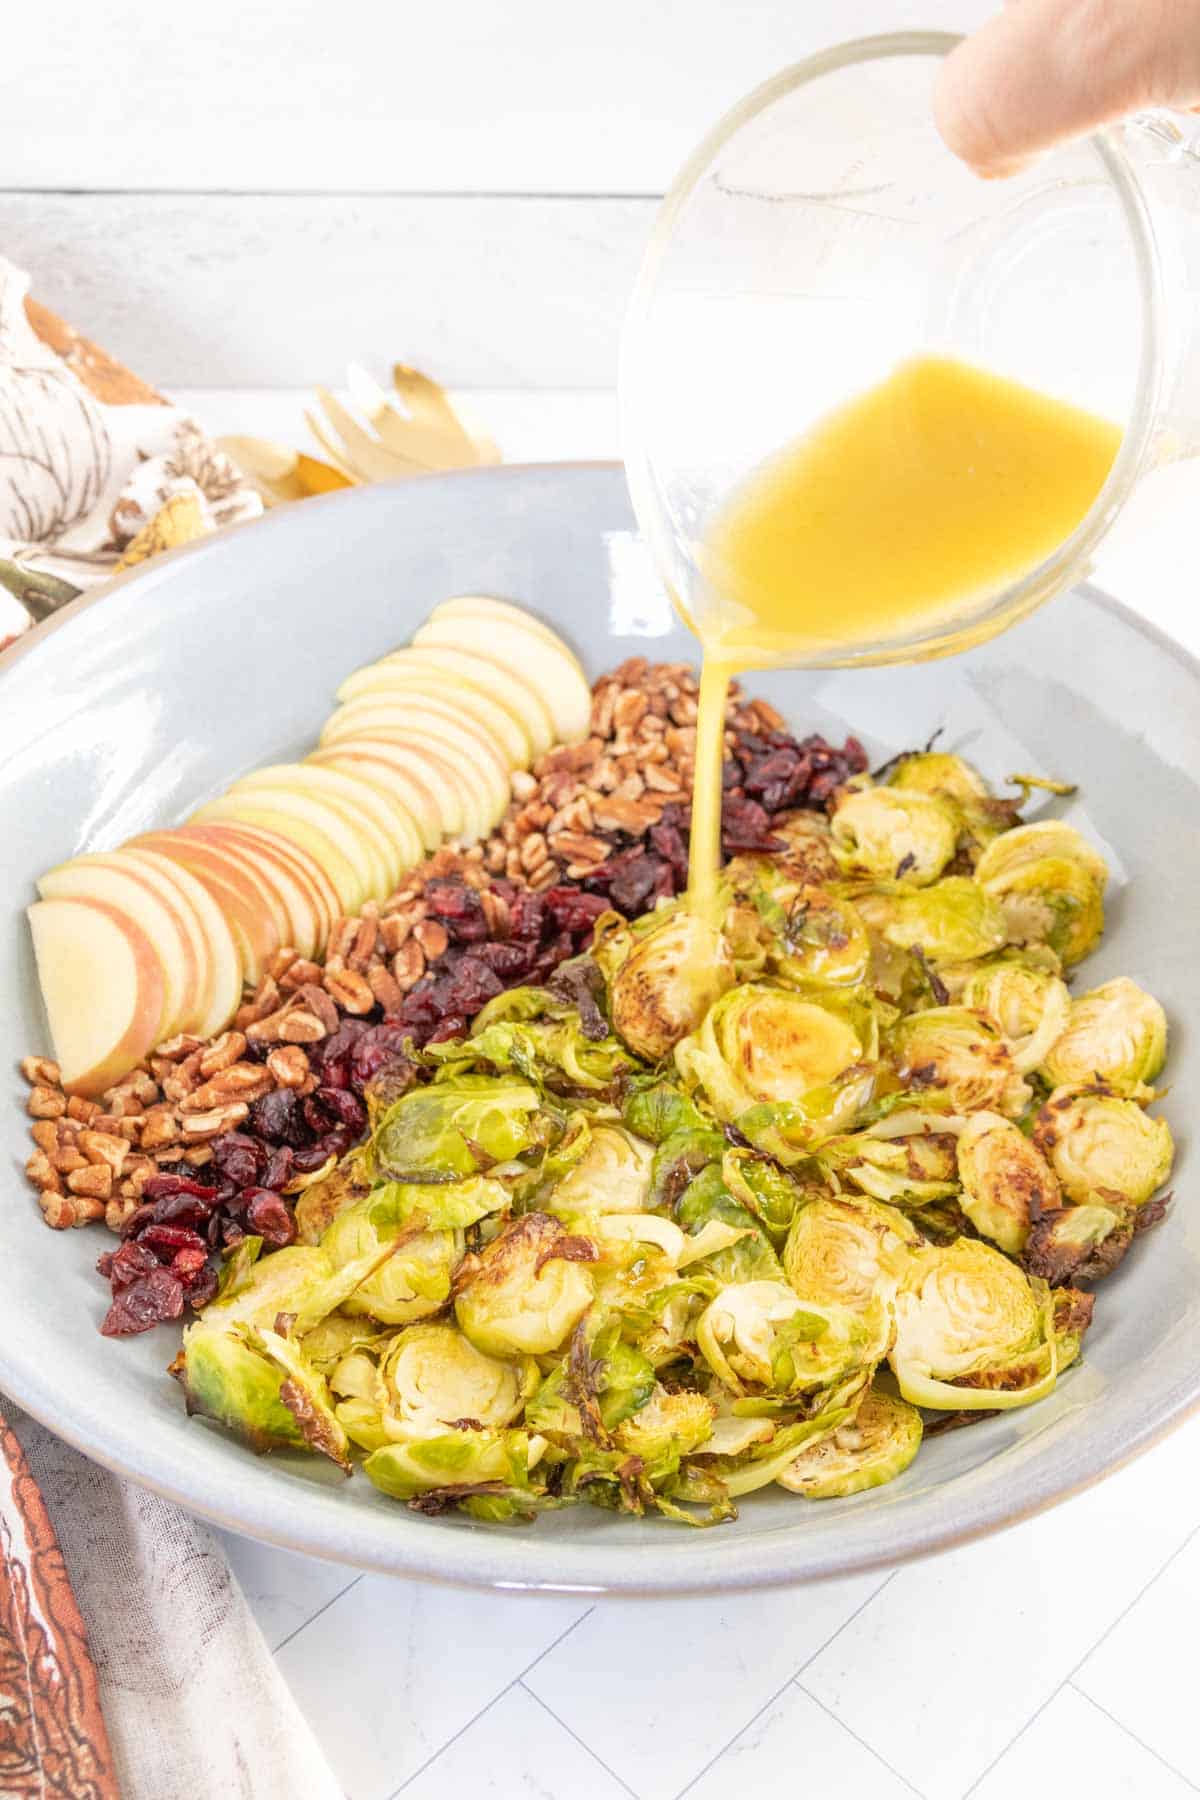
[872, 1448]
[972, 1332]
[805, 933]
[937, 772]
[663, 974]
[412, 1279]
[1027, 1003]
[763, 1048]
[846, 1252]
[523, 1293]
[1080, 1243]
[908, 1170]
[952, 920]
[1007, 1184]
[433, 1378]
[959, 1056]
[1116, 1034]
[484, 1472]
[612, 1175]
[895, 834]
[1101, 1145]
[455, 1126]
[761, 1337]
[258, 1385]
[670, 1424]
[1051, 884]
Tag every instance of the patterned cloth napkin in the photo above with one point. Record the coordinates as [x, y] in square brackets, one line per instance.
[178, 1671]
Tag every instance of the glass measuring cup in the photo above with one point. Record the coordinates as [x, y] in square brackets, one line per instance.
[822, 233]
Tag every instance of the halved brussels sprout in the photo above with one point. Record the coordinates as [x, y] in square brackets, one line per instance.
[895, 834]
[766, 1460]
[1051, 884]
[1116, 1034]
[767, 1193]
[484, 1472]
[612, 1176]
[414, 1280]
[762, 1046]
[336, 1337]
[908, 1170]
[523, 1293]
[1007, 1183]
[846, 1251]
[434, 1378]
[663, 974]
[455, 1126]
[1029, 1005]
[972, 1332]
[937, 772]
[1101, 1145]
[804, 932]
[670, 1424]
[258, 1385]
[959, 1055]
[1081, 1243]
[761, 1336]
[872, 1448]
[952, 920]
[1034, 843]
[306, 1284]
[658, 1109]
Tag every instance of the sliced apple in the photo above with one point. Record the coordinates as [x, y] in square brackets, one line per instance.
[401, 683]
[252, 906]
[549, 668]
[478, 670]
[166, 926]
[310, 902]
[351, 878]
[485, 606]
[438, 722]
[353, 833]
[102, 983]
[414, 795]
[391, 835]
[222, 958]
[399, 759]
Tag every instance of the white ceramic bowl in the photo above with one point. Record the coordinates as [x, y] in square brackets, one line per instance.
[130, 708]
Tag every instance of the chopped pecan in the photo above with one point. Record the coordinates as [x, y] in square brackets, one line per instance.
[222, 1053]
[95, 1180]
[40, 1071]
[46, 1103]
[288, 1065]
[351, 990]
[208, 1124]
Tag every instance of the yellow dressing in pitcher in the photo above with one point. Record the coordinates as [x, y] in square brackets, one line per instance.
[918, 499]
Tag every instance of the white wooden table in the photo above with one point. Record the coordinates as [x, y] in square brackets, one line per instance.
[1056, 1658]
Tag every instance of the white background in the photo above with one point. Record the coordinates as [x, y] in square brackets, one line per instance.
[247, 197]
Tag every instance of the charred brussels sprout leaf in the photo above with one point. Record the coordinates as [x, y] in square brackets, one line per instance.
[1117, 1034]
[1101, 1145]
[872, 1448]
[1007, 1183]
[483, 1472]
[1076, 1244]
[663, 974]
[259, 1386]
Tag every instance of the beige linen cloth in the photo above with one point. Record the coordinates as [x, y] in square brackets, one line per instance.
[194, 1705]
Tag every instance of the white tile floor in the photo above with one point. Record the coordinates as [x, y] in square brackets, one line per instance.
[1056, 1659]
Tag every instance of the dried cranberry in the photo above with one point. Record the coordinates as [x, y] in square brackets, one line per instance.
[128, 1263]
[633, 881]
[335, 1106]
[269, 1218]
[162, 1187]
[382, 1047]
[573, 910]
[526, 916]
[277, 1117]
[278, 1171]
[337, 1142]
[154, 1298]
[187, 1264]
[460, 910]
[508, 961]
[745, 826]
[311, 1158]
[471, 985]
[203, 1288]
[165, 1240]
[239, 1158]
[335, 1059]
[231, 1233]
[454, 1025]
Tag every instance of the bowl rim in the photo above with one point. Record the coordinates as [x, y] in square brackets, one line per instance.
[485, 1559]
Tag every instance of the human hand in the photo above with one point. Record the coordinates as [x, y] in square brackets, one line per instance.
[1045, 70]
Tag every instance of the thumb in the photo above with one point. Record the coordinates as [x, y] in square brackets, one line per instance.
[1046, 70]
